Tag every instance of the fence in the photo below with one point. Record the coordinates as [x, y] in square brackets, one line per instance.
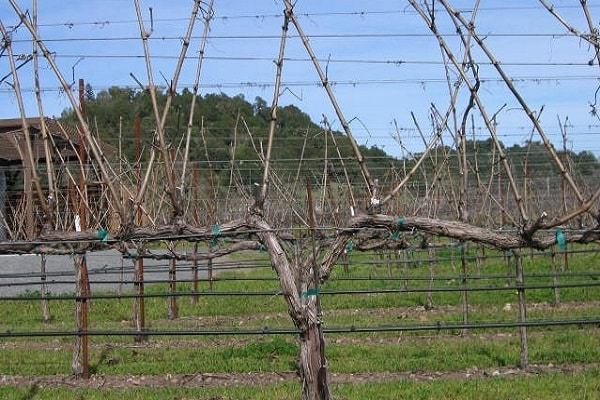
[449, 288]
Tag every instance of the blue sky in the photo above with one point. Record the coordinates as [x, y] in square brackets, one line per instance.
[382, 61]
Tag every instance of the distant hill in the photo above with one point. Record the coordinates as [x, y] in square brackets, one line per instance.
[222, 124]
[531, 161]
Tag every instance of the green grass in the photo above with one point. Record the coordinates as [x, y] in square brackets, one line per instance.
[355, 353]
[581, 386]
[433, 353]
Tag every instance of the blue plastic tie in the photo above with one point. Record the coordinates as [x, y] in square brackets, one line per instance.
[560, 239]
[310, 292]
[349, 246]
[102, 234]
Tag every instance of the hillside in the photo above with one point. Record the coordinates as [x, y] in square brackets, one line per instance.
[231, 128]
[221, 125]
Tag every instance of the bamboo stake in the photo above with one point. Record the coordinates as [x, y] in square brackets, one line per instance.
[530, 114]
[590, 38]
[325, 82]
[51, 199]
[261, 195]
[340, 158]
[162, 145]
[517, 196]
[207, 17]
[29, 160]
[95, 151]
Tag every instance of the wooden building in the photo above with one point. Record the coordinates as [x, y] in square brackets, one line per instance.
[58, 162]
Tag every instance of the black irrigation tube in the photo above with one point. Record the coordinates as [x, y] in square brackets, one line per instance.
[112, 270]
[274, 279]
[185, 265]
[322, 292]
[268, 331]
[467, 277]
[385, 258]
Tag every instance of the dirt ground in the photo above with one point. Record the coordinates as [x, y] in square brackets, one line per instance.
[266, 378]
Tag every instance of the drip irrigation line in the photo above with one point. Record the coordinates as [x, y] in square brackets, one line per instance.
[131, 281]
[444, 326]
[443, 278]
[50, 282]
[440, 326]
[353, 292]
[462, 289]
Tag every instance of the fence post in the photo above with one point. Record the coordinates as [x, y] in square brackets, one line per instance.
[209, 267]
[172, 300]
[465, 303]
[432, 264]
[44, 290]
[555, 278]
[194, 299]
[523, 358]
[80, 362]
[138, 309]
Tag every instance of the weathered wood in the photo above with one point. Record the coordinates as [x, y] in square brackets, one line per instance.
[44, 290]
[80, 360]
[524, 353]
[171, 298]
[138, 306]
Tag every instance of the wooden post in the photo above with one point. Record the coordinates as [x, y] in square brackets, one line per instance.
[478, 260]
[194, 299]
[345, 265]
[523, 357]
[44, 290]
[432, 264]
[172, 300]
[405, 269]
[80, 362]
[209, 267]
[138, 310]
[465, 302]
[555, 278]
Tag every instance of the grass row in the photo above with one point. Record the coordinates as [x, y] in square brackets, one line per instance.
[494, 275]
[353, 353]
[582, 386]
[278, 354]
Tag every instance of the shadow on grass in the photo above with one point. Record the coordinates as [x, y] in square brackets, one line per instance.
[31, 393]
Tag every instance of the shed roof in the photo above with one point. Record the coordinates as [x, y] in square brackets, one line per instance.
[65, 139]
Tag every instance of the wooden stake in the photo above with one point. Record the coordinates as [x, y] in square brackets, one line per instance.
[80, 362]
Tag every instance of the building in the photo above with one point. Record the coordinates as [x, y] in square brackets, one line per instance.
[55, 164]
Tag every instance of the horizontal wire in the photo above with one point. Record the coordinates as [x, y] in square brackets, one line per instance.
[270, 293]
[355, 82]
[357, 13]
[410, 35]
[441, 326]
[398, 62]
